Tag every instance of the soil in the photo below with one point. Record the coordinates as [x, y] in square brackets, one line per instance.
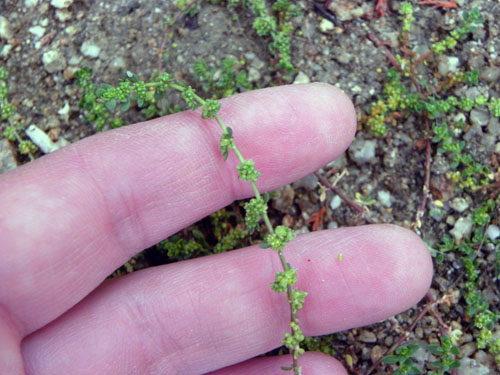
[128, 35]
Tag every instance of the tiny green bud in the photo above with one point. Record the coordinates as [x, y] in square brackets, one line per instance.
[8, 110]
[3, 73]
[284, 279]
[281, 236]
[226, 143]
[210, 109]
[255, 208]
[189, 96]
[164, 80]
[297, 300]
[247, 171]
[10, 133]
[26, 147]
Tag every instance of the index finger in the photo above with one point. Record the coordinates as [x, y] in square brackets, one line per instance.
[74, 216]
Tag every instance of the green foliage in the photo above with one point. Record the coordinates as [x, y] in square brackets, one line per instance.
[231, 240]
[484, 319]
[101, 102]
[468, 174]
[406, 12]
[446, 355]
[471, 20]
[402, 359]
[13, 128]
[277, 27]
[230, 78]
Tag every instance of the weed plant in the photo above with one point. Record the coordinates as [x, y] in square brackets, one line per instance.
[98, 100]
[14, 125]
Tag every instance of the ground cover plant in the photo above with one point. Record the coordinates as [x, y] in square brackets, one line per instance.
[432, 97]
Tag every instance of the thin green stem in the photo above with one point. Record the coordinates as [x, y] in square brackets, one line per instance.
[294, 321]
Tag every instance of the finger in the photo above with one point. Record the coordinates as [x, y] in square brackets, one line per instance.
[207, 313]
[11, 361]
[312, 363]
[71, 218]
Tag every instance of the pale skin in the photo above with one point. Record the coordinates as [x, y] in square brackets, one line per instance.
[70, 218]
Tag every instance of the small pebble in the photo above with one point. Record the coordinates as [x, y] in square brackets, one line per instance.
[90, 50]
[385, 198]
[479, 117]
[459, 204]
[363, 151]
[462, 228]
[448, 64]
[301, 78]
[490, 74]
[326, 25]
[336, 202]
[37, 31]
[53, 61]
[5, 29]
[7, 156]
[61, 4]
[367, 336]
[493, 232]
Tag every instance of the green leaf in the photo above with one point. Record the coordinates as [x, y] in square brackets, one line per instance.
[264, 245]
[132, 77]
[111, 105]
[124, 106]
[390, 359]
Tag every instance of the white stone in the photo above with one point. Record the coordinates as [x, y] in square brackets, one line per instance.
[63, 15]
[301, 78]
[336, 202]
[448, 64]
[30, 3]
[53, 61]
[462, 228]
[493, 232]
[363, 151]
[43, 141]
[5, 29]
[6, 50]
[61, 4]
[64, 111]
[37, 31]
[384, 198]
[90, 50]
[459, 204]
[326, 26]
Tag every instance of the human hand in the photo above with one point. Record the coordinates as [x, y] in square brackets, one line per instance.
[71, 218]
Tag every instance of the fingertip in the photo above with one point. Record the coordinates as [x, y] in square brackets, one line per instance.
[312, 363]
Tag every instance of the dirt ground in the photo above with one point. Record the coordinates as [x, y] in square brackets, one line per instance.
[115, 36]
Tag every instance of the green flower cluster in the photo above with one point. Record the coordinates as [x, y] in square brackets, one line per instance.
[189, 97]
[406, 11]
[297, 300]
[469, 24]
[281, 236]
[226, 142]
[283, 280]
[255, 208]
[210, 109]
[247, 171]
[12, 131]
[292, 341]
